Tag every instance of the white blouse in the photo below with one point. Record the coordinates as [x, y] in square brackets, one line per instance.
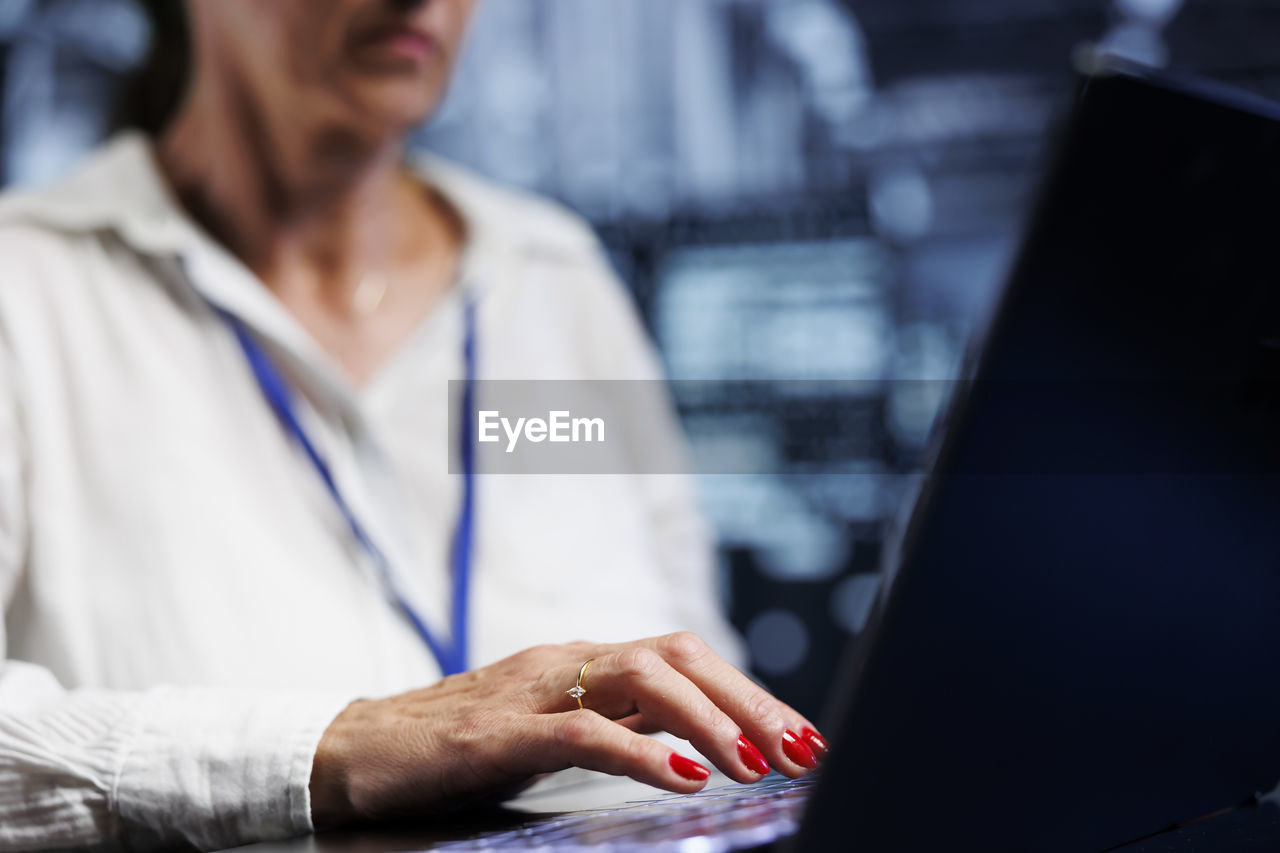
[184, 608]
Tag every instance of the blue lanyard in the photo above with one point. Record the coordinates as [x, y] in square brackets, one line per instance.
[450, 653]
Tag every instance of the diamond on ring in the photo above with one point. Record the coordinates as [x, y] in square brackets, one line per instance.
[577, 691]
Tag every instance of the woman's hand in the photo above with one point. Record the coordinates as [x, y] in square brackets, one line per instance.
[491, 729]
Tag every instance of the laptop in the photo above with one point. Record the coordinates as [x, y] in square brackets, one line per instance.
[1077, 643]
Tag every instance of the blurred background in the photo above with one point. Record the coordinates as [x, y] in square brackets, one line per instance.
[792, 189]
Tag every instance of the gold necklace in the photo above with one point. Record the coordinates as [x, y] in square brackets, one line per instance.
[369, 294]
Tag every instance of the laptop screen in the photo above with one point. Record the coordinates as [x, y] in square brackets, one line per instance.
[1080, 645]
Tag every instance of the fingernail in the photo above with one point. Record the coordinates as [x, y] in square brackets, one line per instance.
[815, 742]
[688, 768]
[797, 751]
[751, 756]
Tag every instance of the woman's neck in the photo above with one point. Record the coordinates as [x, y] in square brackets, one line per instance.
[310, 193]
[303, 205]
[322, 216]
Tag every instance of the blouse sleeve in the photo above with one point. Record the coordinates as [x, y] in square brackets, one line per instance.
[137, 770]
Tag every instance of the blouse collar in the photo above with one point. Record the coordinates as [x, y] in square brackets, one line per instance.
[121, 190]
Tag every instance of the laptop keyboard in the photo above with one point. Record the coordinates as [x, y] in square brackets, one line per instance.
[731, 817]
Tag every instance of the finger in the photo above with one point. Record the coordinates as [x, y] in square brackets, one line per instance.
[586, 739]
[789, 741]
[639, 678]
[638, 723]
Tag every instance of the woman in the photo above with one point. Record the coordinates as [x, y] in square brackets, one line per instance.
[223, 350]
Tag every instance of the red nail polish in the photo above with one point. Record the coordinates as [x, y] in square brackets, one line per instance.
[751, 756]
[688, 768]
[815, 742]
[797, 751]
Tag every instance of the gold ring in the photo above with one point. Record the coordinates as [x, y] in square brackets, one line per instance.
[577, 691]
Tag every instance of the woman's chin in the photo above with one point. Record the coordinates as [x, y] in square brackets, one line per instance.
[395, 104]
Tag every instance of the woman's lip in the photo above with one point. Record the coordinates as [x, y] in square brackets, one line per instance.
[400, 42]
